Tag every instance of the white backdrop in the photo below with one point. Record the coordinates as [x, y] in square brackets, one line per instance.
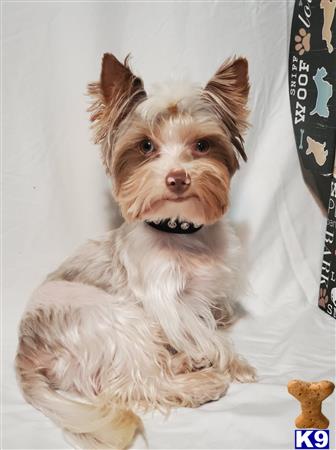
[56, 195]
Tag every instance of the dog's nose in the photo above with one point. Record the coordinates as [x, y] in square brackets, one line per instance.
[178, 181]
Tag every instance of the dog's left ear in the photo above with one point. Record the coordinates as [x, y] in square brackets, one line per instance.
[227, 92]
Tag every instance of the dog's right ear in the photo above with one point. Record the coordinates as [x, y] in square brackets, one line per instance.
[114, 96]
[117, 80]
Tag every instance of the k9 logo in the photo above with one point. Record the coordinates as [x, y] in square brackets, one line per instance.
[311, 439]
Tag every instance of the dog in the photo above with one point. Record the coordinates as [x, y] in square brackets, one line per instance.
[138, 318]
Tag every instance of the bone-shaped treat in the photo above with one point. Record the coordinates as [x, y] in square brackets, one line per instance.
[311, 395]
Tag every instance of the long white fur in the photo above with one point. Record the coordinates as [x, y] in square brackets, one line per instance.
[108, 343]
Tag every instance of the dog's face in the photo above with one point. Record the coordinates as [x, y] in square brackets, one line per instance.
[171, 154]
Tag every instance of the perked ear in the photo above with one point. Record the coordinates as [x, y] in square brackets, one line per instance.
[116, 79]
[227, 92]
[115, 95]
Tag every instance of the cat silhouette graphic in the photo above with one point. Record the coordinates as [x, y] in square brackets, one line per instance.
[324, 93]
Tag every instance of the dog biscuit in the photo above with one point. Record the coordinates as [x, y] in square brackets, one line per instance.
[311, 395]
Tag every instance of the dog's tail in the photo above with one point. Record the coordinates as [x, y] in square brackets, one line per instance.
[86, 425]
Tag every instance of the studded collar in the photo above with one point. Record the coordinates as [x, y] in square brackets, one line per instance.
[174, 226]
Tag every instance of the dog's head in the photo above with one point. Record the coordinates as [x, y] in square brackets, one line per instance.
[171, 153]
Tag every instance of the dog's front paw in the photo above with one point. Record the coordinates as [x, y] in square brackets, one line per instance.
[242, 371]
[193, 389]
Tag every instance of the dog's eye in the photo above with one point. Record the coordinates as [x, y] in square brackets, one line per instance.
[147, 146]
[202, 146]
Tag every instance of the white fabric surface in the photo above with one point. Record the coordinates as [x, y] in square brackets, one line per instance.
[56, 196]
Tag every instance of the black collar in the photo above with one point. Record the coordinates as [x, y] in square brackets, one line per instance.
[174, 226]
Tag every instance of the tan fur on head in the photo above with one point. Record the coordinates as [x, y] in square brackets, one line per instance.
[174, 120]
[140, 180]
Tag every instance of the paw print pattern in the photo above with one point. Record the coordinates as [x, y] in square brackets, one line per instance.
[323, 300]
[303, 41]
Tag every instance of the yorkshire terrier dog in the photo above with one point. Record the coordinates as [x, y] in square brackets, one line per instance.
[137, 319]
